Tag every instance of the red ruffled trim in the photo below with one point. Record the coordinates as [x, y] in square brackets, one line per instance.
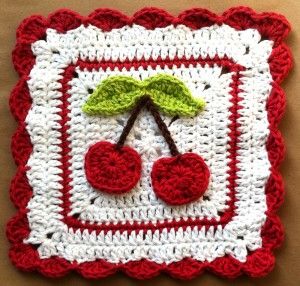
[259, 262]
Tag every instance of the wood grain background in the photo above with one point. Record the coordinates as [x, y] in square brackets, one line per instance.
[287, 270]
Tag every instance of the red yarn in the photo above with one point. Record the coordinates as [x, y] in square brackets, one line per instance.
[23, 58]
[152, 18]
[24, 256]
[20, 100]
[272, 232]
[32, 29]
[22, 151]
[275, 190]
[261, 261]
[187, 268]
[64, 20]
[280, 62]
[181, 179]
[20, 190]
[108, 19]
[230, 267]
[276, 105]
[198, 18]
[55, 267]
[15, 229]
[96, 269]
[111, 169]
[143, 269]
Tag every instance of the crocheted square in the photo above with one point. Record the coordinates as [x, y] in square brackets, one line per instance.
[196, 101]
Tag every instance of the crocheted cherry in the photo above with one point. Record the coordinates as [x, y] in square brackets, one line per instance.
[111, 168]
[180, 179]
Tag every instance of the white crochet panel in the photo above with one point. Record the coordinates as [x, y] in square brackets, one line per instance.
[193, 134]
[207, 134]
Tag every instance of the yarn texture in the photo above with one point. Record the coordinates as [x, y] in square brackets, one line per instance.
[110, 180]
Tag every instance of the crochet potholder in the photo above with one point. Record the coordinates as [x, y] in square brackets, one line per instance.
[148, 144]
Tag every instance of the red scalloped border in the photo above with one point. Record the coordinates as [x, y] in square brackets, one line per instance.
[259, 262]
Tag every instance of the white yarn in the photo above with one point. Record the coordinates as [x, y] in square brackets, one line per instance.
[206, 134]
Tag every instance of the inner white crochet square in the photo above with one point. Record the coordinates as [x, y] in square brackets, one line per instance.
[207, 134]
[69, 225]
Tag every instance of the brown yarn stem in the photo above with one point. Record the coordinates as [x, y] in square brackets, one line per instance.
[134, 114]
[146, 101]
[163, 128]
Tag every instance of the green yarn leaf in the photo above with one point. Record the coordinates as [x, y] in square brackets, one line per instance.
[114, 95]
[117, 94]
[172, 96]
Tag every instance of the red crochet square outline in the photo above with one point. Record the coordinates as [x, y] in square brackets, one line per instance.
[259, 262]
[74, 222]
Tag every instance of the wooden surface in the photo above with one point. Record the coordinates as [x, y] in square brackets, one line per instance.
[287, 271]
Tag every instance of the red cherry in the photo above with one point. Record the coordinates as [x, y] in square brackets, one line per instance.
[181, 179]
[111, 169]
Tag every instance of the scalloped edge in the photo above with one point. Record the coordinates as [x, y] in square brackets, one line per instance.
[261, 261]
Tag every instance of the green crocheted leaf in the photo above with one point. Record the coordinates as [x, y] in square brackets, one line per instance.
[120, 93]
[171, 96]
[114, 95]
